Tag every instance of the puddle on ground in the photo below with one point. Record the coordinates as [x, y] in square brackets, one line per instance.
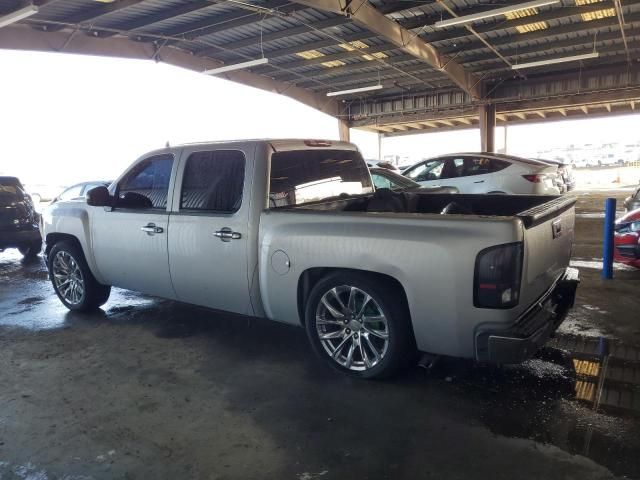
[579, 394]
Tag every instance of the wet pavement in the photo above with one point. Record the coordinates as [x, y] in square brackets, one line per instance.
[148, 388]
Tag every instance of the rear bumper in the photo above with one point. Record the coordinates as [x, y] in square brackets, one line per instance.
[530, 331]
[18, 237]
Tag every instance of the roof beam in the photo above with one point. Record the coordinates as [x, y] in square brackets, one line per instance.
[364, 14]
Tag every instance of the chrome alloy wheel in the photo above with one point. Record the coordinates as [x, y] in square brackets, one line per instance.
[352, 328]
[68, 278]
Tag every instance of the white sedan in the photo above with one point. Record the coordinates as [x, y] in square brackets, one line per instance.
[486, 173]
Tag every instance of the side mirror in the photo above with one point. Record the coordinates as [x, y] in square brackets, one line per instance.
[99, 197]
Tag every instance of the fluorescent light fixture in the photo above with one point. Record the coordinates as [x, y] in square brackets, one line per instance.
[552, 61]
[354, 90]
[236, 66]
[493, 13]
[18, 15]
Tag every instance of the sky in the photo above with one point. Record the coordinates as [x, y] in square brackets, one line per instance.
[70, 118]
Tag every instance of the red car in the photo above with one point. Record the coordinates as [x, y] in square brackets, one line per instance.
[627, 239]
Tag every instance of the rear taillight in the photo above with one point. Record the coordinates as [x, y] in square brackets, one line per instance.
[536, 178]
[497, 276]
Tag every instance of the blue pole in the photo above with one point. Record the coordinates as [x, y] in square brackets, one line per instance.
[607, 253]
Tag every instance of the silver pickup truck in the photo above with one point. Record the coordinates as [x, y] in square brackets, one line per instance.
[293, 230]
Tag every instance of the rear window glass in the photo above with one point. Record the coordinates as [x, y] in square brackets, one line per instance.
[9, 187]
[304, 176]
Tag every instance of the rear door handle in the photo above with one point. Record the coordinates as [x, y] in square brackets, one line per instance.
[479, 181]
[151, 229]
[226, 234]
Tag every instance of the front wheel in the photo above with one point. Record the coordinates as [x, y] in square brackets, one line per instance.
[72, 279]
[359, 326]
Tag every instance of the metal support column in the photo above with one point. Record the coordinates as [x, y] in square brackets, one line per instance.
[608, 244]
[487, 128]
[344, 129]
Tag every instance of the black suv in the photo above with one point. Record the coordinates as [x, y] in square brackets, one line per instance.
[18, 219]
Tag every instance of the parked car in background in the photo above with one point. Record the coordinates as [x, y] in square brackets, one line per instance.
[79, 190]
[384, 178]
[627, 239]
[293, 230]
[486, 173]
[632, 202]
[18, 219]
[382, 164]
[42, 192]
[566, 180]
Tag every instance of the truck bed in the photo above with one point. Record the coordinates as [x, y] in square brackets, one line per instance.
[530, 209]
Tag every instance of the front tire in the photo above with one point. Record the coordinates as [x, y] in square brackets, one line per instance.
[359, 326]
[72, 279]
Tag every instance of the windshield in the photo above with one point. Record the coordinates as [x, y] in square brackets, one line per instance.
[304, 176]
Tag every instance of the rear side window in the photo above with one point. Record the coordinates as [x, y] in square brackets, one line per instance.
[303, 176]
[497, 165]
[10, 188]
[149, 178]
[213, 181]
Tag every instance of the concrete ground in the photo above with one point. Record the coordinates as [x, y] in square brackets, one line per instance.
[152, 389]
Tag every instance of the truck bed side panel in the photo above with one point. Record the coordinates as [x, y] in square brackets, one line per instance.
[432, 257]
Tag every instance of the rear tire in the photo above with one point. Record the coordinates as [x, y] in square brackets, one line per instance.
[30, 250]
[359, 326]
[72, 279]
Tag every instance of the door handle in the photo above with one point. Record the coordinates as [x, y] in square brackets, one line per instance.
[151, 229]
[479, 181]
[226, 234]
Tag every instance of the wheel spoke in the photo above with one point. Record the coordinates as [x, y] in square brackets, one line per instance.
[336, 295]
[363, 353]
[336, 352]
[365, 302]
[351, 303]
[330, 335]
[373, 349]
[324, 321]
[373, 318]
[376, 333]
[332, 310]
[352, 349]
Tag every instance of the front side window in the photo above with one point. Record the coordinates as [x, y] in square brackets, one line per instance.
[303, 176]
[213, 181]
[147, 184]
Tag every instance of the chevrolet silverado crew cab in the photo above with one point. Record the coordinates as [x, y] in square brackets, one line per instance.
[293, 230]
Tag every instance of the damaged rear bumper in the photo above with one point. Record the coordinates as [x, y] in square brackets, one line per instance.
[530, 331]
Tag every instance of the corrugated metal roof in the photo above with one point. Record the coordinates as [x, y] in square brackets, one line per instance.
[232, 32]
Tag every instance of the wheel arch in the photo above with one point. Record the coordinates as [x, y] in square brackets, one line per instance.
[310, 277]
[53, 238]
